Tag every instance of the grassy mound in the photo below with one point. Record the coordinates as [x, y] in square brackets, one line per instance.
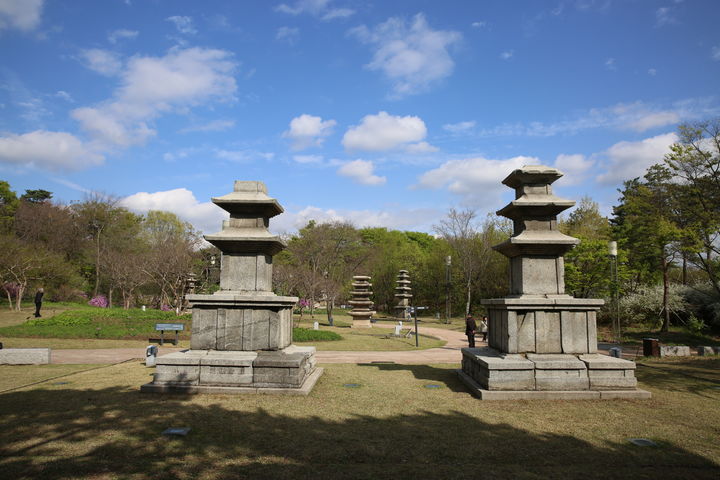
[310, 335]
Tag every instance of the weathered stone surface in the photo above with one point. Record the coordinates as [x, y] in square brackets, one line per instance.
[225, 375]
[547, 332]
[597, 361]
[708, 350]
[177, 374]
[674, 351]
[574, 332]
[555, 361]
[24, 356]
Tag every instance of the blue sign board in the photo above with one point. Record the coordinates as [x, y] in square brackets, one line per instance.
[169, 326]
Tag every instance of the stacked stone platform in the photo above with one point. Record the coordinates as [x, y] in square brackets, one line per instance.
[362, 305]
[403, 294]
[241, 335]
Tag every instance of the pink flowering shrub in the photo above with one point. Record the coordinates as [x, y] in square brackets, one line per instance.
[99, 301]
[165, 308]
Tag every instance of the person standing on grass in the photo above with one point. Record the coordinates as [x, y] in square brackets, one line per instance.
[470, 328]
[484, 327]
[38, 301]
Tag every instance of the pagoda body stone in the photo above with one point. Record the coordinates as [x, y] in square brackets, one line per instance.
[403, 295]
[542, 343]
[242, 334]
[362, 305]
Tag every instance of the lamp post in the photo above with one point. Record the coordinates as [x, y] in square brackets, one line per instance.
[612, 251]
[448, 263]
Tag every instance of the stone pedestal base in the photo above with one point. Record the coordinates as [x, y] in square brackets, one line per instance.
[491, 374]
[361, 324]
[290, 370]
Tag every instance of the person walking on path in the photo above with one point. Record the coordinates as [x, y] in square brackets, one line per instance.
[470, 328]
[38, 301]
[484, 327]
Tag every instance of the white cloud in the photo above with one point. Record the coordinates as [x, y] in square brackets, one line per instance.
[204, 216]
[308, 131]
[151, 86]
[459, 128]
[507, 54]
[652, 72]
[183, 24]
[64, 95]
[122, 34]
[57, 151]
[479, 24]
[715, 53]
[362, 172]
[102, 61]
[610, 64]
[664, 16]
[396, 217]
[413, 56]
[421, 147]
[20, 14]
[384, 132]
[475, 180]
[214, 126]
[289, 34]
[575, 167]
[306, 159]
[316, 8]
[637, 116]
[627, 160]
[244, 156]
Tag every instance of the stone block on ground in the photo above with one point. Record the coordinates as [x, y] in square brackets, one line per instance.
[674, 351]
[24, 356]
[706, 350]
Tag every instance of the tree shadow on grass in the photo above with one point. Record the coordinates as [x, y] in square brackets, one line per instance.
[443, 376]
[116, 433]
[700, 376]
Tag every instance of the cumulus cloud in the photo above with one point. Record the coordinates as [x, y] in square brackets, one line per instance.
[308, 131]
[183, 24]
[122, 34]
[396, 217]
[610, 64]
[475, 180]
[57, 151]
[664, 16]
[102, 61]
[308, 159]
[243, 156]
[575, 167]
[459, 128]
[214, 126]
[384, 132]
[20, 14]
[626, 160]
[204, 216]
[362, 172]
[507, 54]
[413, 56]
[317, 8]
[151, 86]
[715, 53]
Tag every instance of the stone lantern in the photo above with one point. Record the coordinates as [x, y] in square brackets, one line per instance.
[242, 334]
[542, 342]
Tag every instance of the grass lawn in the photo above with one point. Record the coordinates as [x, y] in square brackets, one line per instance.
[99, 426]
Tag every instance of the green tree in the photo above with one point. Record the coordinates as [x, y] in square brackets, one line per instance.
[8, 205]
[36, 196]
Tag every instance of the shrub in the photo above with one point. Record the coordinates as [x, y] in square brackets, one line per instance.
[646, 306]
[99, 301]
[310, 335]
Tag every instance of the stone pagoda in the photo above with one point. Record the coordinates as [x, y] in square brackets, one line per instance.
[242, 334]
[542, 342]
[361, 303]
[403, 295]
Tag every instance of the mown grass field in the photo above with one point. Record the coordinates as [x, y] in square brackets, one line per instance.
[98, 425]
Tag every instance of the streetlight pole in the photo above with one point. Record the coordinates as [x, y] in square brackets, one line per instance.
[448, 263]
[612, 251]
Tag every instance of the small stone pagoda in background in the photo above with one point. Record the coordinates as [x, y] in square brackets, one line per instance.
[361, 303]
[403, 295]
[542, 342]
[242, 334]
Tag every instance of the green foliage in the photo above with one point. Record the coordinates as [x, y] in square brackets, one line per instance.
[8, 205]
[93, 322]
[645, 307]
[36, 196]
[309, 335]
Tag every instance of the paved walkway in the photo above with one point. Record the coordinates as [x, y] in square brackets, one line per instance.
[449, 353]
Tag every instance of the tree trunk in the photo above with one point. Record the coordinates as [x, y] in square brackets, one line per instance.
[18, 299]
[666, 294]
[312, 306]
[329, 305]
[10, 303]
[467, 303]
[97, 266]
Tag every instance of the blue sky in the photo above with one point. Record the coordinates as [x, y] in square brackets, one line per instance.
[384, 113]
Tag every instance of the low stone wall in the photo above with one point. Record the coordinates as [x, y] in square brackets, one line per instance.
[708, 350]
[674, 351]
[24, 356]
